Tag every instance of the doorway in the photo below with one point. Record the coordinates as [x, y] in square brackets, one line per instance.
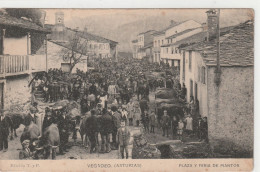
[1, 96]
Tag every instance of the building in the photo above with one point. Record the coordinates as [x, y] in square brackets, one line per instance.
[158, 41]
[144, 40]
[22, 55]
[226, 97]
[169, 51]
[94, 46]
[134, 48]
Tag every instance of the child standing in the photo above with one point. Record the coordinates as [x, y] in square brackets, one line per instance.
[180, 129]
[123, 139]
[152, 120]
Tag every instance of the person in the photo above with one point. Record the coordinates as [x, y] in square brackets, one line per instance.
[174, 126]
[4, 131]
[204, 126]
[152, 120]
[84, 105]
[146, 121]
[106, 122]
[31, 117]
[180, 129]
[124, 115]
[63, 124]
[48, 120]
[199, 128]
[92, 128]
[189, 127]
[93, 89]
[25, 153]
[165, 123]
[137, 114]
[184, 91]
[116, 125]
[123, 139]
[130, 110]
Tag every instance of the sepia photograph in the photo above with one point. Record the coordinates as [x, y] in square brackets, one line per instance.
[80, 84]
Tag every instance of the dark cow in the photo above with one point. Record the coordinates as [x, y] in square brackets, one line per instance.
[49, 141]
[16, 119]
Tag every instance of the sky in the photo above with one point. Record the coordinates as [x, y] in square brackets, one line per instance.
[233, 16]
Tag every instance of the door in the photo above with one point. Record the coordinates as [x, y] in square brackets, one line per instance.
[1, 96]
[191, 88]
[196, 91]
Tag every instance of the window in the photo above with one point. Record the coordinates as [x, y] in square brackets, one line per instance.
[159, 43]
[155, 42]
[167, 50]
[190, 60]
[168, 41]
[162, 42]
[171, 40]
[203, 75]
[172, 50]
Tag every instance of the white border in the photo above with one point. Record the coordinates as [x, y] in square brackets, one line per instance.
[163, 4]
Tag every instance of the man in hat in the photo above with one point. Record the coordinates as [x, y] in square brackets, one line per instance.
[165, 121]
[63, 124]
[25, 153]
[91, 130]
[31, 117]
[106, 123]
[116, 116]
[4, 131]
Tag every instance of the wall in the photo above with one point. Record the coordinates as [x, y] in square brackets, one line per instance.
[15, 46]
[181, 27]
[231, 108]
[17, 93]
[55, 57]
[195, 75]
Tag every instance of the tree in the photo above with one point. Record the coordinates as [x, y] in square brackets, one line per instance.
[75, 49]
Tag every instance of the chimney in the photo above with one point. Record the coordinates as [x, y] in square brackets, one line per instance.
[42, 18]
[211, 24]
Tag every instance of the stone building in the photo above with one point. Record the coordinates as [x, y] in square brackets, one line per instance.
[169, 52]
[144, 39]
[226, 98]
[22, 55]
[94, 46]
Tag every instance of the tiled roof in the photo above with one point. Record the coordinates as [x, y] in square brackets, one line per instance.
[90, 36]
[180, 33]
[7, 20]
[146, 32]
[236, 47]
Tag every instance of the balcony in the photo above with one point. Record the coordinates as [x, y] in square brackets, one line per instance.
[11, 65]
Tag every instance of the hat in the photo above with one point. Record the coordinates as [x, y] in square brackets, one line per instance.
[26, 142]
[32, 109]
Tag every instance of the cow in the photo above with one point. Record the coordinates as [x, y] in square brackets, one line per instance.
[16, 119]
[32, 133]
[49, 141]
[83, 129]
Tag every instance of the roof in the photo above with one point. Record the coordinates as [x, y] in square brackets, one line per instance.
[66, 45]
[180, 33]
[198, 37]
[164, 30]
[7, 20]
[147, 32]
[90, 36]
[236, 47]
[87, 35]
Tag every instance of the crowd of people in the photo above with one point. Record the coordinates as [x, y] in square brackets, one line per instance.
[112, 97]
